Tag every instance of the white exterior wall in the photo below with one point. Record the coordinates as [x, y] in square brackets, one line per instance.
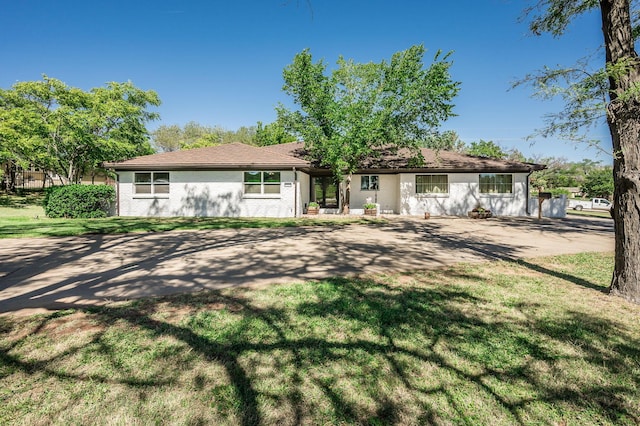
[304, 183]
[555, 207]
[220, 193]
[208, 193]
[386, 196]
[464, 195]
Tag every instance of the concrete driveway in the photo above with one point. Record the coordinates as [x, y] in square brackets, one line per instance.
[55, 273]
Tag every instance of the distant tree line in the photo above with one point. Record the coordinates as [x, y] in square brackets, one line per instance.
[168, 138]
[591, 178]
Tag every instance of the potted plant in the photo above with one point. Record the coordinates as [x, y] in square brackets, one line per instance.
[479, 212]
[313, 208]
[370, 209]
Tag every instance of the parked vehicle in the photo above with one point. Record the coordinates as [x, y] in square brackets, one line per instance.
[594, 204]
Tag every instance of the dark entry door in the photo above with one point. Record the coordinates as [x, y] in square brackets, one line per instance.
[325, 192]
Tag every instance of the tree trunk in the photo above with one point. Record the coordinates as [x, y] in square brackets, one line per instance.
[11, 173]
[70, 174]
[347, 195]
[623, 118]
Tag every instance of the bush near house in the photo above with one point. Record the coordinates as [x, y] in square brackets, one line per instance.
[79, 201]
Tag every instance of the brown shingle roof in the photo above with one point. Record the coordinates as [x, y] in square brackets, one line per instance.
[294, 149]
[462, 162]
[241, 156]
[228, 156]
[442, 161]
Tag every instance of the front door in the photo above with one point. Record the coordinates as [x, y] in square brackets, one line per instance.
[325, 192]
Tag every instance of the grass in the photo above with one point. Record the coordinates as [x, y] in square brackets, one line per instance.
[23, 216]
[43, 227]
[21, 207]
[590, 213]
[501, 343]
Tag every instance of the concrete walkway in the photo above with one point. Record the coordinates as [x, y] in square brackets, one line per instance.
[56, 273]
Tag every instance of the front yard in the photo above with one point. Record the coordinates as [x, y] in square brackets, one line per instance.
[527, 342]
[23, 216]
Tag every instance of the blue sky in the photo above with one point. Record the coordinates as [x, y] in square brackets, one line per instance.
[219, 62]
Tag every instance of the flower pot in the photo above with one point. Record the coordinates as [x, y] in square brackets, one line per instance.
[312, 210]
[480, 215]
[370, 212]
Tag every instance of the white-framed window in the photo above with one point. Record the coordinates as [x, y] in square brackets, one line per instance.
[496, 183]
[370, 183]
[151, 182]
[257, 183]
[432, 184]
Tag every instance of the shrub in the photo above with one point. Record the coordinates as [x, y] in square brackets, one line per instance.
[556, 192]
[79, 201]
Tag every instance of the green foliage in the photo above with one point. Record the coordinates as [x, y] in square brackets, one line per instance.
[560, 173]
[554, 16]
[488, 149]
[272, 134]
[585, 89]
[584, 94]
[445, 141]
[195, 135]
[515, 155]
[370, 206]
[69, 131]
[347, 116]
[79, 201]
[556, 192]
[599, 183]
[167, 138]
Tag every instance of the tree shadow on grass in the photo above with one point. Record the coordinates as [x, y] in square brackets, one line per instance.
[20, 202]
[479, 245]
[368, 351]
[121, 225]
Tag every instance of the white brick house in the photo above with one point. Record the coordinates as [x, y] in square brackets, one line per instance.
[238, 180]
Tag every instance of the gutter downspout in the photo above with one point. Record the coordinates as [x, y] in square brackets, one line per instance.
[117, 194]
[527, 194]
[295, 193]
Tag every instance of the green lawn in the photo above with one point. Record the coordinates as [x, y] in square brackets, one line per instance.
[16, 207]
[591, 213]
[533, 342]
[24, 217]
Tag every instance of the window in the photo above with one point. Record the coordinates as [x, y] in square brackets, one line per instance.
[496, 184]
[262, 183]
[432, 184]
[370, 183]
[151, 183]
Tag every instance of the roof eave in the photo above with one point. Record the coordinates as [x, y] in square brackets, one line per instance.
[446, 170]
[192, 166]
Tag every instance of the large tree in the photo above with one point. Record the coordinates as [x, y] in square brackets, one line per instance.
[445, 141]
[354, 112]
[613, 92]
[488, 149]
[167, 138]
[598, 183]
[272, 134]
[69, 131]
